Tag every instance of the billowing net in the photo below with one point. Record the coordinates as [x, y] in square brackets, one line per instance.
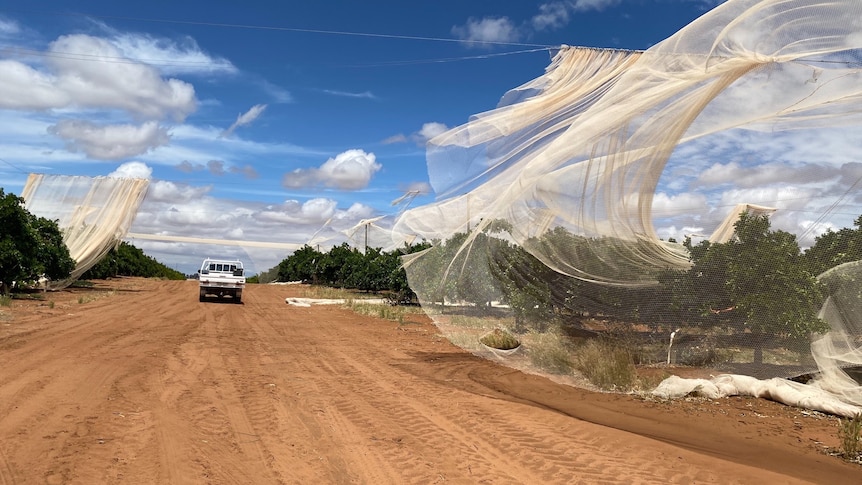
[94, 214]
[544, 229]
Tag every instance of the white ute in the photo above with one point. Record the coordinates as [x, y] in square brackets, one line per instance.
[220, 278]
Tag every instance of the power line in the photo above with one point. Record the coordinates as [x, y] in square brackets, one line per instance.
[286, 29]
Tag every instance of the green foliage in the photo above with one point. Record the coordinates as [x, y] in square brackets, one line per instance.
[30, 247]
[756, 282]
[770, 284]
[374, 271]
[300, 266]
[128, 260]
[832, 248]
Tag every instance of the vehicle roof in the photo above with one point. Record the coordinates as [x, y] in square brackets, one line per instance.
[229, 261]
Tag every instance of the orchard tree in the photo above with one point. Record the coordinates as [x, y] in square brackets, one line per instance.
[30, 247]
[301, 265]
[834, 248]
[758, 280]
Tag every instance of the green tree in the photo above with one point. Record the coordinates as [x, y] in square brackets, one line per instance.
[834, 248]
[301, 265]
[30, 247]
[129, 260]
[757, 281]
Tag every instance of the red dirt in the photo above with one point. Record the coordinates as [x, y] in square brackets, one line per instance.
[135, 381]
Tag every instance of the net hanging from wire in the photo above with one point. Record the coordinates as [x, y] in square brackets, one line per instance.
[93, 213]
[545, 225]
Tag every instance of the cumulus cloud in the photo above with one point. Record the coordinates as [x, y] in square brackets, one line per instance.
[133, 170]
[244, 119]
[350, 170]
[421, 137]
[667, 205]
[486, 31]
[86, 72]
[313, 211]
[110, 142]
[551, 16]
[167, 191]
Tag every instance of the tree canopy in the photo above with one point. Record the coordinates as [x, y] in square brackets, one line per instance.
[128, 260]
[30, 247]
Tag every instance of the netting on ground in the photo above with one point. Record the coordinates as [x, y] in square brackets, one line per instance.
[94, 213]
[545, 225]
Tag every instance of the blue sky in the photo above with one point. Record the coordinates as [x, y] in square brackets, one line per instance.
[266, 121]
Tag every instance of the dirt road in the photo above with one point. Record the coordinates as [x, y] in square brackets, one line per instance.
[137, 382]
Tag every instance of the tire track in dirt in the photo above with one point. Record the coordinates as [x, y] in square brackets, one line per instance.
[55, 408]
[152, 386]
[477, 439]
[276, 396]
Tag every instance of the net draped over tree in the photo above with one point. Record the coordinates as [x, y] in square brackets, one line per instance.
[545, 204]
[94, 213]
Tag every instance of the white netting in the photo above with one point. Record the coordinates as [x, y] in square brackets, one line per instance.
[544, 222]
[94, 214]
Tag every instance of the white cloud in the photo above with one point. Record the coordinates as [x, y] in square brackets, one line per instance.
[85, 72]
[485, 31]
[245, 118]
[429, 131]
[171, 57]
[664, 205]
[399, 138]
[278, 94]
[135, 170]
[167, 191]
[314, 211]
[553, 15]
[8, 28]
[586, 5]
[350, 170]
[110, 142]
[421, 137]
[364, 94]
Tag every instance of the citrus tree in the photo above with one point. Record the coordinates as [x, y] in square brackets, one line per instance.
[30, 247]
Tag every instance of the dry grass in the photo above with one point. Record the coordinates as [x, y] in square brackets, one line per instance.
[849, 435]
[500, 340]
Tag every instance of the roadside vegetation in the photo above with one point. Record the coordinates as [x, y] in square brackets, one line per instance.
[31, 248]
[752, 299]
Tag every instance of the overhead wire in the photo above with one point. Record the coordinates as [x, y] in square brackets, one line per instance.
[284, 29]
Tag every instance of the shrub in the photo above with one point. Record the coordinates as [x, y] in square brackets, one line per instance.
[607, 364]
[500, 340]
[849, 436]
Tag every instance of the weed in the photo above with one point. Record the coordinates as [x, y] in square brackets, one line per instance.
[607, 364]
[548, 351]
[849, 434]
[5, 300]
